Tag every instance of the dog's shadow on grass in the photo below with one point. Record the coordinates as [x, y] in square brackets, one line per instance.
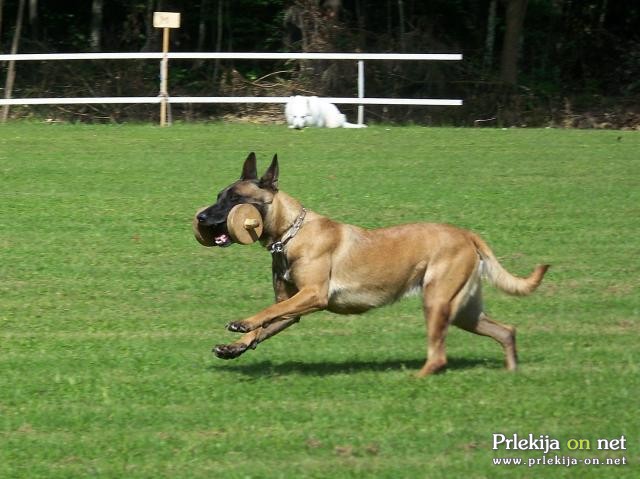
[329, 368]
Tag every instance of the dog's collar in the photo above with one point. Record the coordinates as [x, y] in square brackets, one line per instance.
[278, 246]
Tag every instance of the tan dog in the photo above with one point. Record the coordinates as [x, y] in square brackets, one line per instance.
[320, 264]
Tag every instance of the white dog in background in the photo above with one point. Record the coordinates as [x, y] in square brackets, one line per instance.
[304, 111]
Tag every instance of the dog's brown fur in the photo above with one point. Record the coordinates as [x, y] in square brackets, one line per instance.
[347, 269]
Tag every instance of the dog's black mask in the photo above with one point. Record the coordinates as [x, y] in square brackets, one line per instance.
[215, 216]
[248, 189]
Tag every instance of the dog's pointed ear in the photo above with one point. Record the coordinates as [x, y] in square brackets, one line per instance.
[269, 180]
[249, 170]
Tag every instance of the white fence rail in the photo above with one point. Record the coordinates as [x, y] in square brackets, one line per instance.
[231, 56]
[223, 99]
[361, 100]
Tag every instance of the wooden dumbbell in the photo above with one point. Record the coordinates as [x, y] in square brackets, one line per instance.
[244, 224]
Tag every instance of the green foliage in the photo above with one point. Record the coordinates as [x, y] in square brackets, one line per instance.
[569, 49]
[109, 308]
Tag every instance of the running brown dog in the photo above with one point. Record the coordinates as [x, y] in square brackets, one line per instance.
[320, 264]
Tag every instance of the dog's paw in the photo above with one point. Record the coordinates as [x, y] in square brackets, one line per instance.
[237, 327]
[229, 351]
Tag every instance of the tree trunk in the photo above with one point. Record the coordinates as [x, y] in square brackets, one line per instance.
[515, 13]
[603, 14]
[218, 47]
[34, 23]
[11, 72]
[202, 25]
[360, 16]
[401, 24]
[491, 36]
[95, 39]
[150, 32]
[1, 8]
[202, 31]
[227, 17]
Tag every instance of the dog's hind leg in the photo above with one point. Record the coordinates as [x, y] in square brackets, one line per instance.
[504, 334]
[437, 317]
[471, 317]
[445, 283]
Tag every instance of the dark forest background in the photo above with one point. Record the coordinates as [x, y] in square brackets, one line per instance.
[564, 63]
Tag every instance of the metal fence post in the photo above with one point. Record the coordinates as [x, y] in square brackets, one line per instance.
[360, 91]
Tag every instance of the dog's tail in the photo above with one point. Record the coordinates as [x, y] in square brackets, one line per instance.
[353, 125]
[495, 273]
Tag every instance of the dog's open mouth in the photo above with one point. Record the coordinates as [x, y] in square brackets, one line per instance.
[223, 240]
[220, 235]
[213, 235]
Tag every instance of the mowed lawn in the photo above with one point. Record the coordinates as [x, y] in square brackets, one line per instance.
[109, 308]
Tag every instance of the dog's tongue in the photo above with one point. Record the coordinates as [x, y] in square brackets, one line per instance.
[221, 240]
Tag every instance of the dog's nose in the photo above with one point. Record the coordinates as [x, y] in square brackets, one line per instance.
[202, 217]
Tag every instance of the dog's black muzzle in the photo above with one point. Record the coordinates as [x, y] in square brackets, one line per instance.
[207, 220]
[214, 215]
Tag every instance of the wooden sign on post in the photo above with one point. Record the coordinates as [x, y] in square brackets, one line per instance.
[165, 20]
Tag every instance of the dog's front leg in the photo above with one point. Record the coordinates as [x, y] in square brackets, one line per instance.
[307, 300]
[252, 339]
[283, 291]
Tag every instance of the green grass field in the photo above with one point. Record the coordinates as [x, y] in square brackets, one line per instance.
[109, 308]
